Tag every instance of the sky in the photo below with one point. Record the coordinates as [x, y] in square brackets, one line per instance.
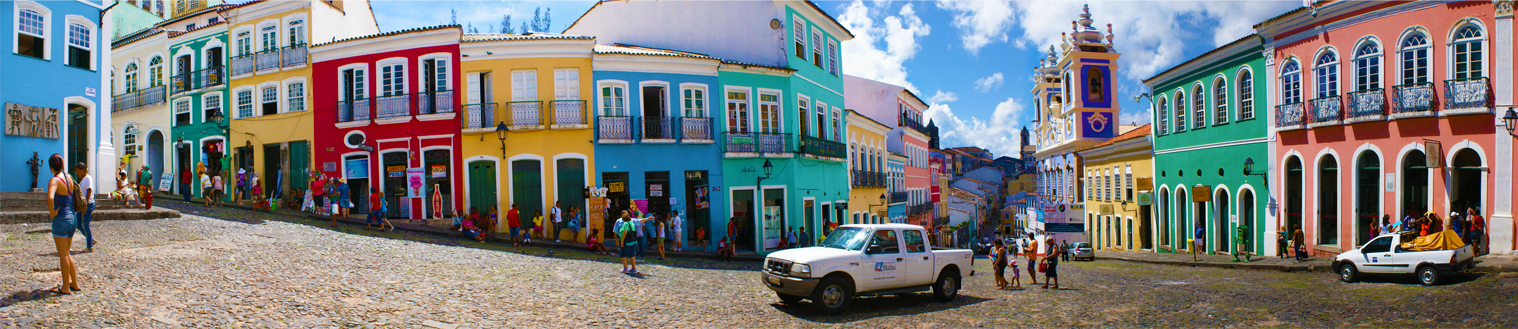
[971, 60]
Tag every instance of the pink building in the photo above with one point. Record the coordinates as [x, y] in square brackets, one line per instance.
[900, 109]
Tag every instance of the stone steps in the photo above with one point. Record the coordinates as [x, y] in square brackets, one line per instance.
[40, 217]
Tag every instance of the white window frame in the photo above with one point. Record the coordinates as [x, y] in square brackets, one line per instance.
[156, 75]
[1181, 110]
[747, 104]
[130, 75]
[1246, 104]
[799, 36]
[821, 108]
[1403, 64]
[838, 125]
[240, 41]
[1199, 105]
[1360, 64]
[1164, 115]
[778, 114]
[833, 57]
[364, 87]
[260, 98]
[1220, 113]
[611, 109]
[704, 101]
[92, 37]
[403, 79]
[805, 103]
[566, 83]
[1326, 82]
[300, 24]
[523, 90]
[239, 103]
[287, 105]
[206, 105]
[1291, 94]
[446, 82]
[47, 26]
[262, 36]
[1480, 41]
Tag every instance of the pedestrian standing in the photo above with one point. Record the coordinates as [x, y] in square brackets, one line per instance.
[659, 236]
[1030, 250]
[1198, 242]
[1296, 243]
[86, 186]
[638, 229]
[62, 193]
[1478, 231]
[575, 222]
[145, 187]
[344, 201]
[676, 233]
[186, 182]
[1063, 245]
[557, 215]
[1051, 274]
[626, 232]
[374, 210]
[999, 262]
[514, 225]
[1281, 241]
[219, 188]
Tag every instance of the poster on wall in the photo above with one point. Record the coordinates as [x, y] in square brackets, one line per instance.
[439, 171]
[356, 169]
[700, 199]
[595, 217]
[641, 207]
[656, 190]
[415, 182]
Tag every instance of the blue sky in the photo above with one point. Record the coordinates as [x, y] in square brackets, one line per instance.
[971, 59]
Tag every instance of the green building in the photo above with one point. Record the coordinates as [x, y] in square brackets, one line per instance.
[197, 96]
[1206, 125]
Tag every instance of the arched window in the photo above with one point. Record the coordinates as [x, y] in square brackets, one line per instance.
[1291, 83]
[1326, 70]
[1180, 111]
[1094, 81]
[1200, 106]
[155, 71]
[129, 140]
[131, 77]
[1220, 100]
[1368, 67]
[1467, 53]
[1164, 116]
[80, 46]
[1328, 201]
[1414, 57]
[1246, 95]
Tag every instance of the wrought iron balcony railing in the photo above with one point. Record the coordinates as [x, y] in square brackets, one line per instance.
[656, 129]
[267, 59]
[479, 117]
[898, 197]
[696, 130]
[136, 99]
[758, 143]
[392, 106]
[1414, 98]
[614, 129]
[1327, 110]
[293, 55]
[435, 102]
[524, 115]
[1467, 94]
[910, 123]
[1367, 104]
[209, 77]
[242, 65]
[822, 147]
[1289, 115]
[569, 114]
[868, 179]
[352, 110]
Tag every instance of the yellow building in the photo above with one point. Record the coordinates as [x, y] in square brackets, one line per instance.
[538, 87]
[271, 126]
[1114, 170]
[867, 154]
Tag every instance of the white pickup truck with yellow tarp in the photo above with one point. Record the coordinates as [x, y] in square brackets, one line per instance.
[1430, 257]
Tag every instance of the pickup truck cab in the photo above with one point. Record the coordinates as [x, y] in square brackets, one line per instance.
[1384, 256]
[865, 260]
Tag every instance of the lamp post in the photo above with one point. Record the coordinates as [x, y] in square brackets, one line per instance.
[500, 133]
[1510, 121]
[1249, 171]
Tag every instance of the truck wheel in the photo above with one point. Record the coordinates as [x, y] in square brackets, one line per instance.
[1428, 275]
[1347, 273]
[947, 286]
[788, 299]
[833, 296]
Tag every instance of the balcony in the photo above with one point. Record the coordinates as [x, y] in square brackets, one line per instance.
[1289, 116]
[569, 114]
[822, 147]
[656, 129]
[1413, 100]
[242, 65]
[524, 115]
[1366, 105]
[911, 123]
[1326, 111]
[614, 129]
[136, 99]
[916, 210]
[209, 77]
[435, 102]
[696, 130]
[756, 143]
[294, 55]
[868, 179]
[392, 106]
[479, 117]
[267, 59]
[898, 197]
[353, 111]
[1467, 96]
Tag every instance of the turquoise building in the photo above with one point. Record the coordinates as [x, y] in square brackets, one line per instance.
[1206, 125]
[197, 97]
[51, 90]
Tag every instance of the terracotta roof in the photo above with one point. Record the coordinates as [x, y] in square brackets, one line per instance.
[483, 37]
[198, 28]
[772, 67]
[645, 51]
[240, 5]
[392, 33]
[1131, 134]
[135, 36]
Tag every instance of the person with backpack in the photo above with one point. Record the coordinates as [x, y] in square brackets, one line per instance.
[627, 229]
[87, 187]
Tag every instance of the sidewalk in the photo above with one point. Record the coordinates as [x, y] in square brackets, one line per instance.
[419, 226]
[1487, 263]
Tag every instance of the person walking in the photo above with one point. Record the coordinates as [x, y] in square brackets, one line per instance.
[1297, 242]
[1064, 245]
[999, 262]
[344, 201]
[1197, 243]
[145, 187]
[1051, 274]
[63, 192]
[627, 229]
[676, 233]
[514, 225]
[1478, 231]
[557, 214]
[659, 235]
[86, 186]
[575, 223]
[1281, 241]
[1030, 250]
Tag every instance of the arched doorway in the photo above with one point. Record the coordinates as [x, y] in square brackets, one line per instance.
[79, 135]
[1328, 201]
[1164, 218]
[1468, 184]
[1246, 217]
[1367, 196]
[1220, 221]
[155, 155]
[1293, 195]
[1200, 211]
[1414, 183]
[1181, 221]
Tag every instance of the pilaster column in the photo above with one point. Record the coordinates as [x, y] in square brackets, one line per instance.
[1500, 225]
[1272, 168]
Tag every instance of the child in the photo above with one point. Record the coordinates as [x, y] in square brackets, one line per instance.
[701, 237]
[595, 245]
[1017, 281]
[724, 250]
[537, 223]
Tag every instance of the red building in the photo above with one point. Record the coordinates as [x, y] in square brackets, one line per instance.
[385, 117]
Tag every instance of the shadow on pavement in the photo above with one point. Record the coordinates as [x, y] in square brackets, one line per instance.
[26, 296]
[1444, 280]
[881, 306]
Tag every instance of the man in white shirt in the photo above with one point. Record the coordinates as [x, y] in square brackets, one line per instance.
[87, 185]
[675, 231]
[558, 220]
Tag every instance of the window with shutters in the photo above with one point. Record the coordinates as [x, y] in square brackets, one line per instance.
[798, 28]
[31, 30]
[566, 84]
[737, 111]
[79, 46]
[833, 57]
[613, 99]
[693, 101]
[802, 112]
[769, 113]
[392, 80]
[129, 140]
[524, 85]
[268, 37]
[822, 120]
[1414, 57]
[296, 33]
[817, 48]
[244, 43]
[1180, 111]
[131, 77]
[354, 84]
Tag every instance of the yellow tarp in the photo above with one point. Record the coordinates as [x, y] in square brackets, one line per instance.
[1444, 240]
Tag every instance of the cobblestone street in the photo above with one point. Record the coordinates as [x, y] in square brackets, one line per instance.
[248, 270]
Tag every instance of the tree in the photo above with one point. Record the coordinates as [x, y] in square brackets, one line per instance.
[524, 28]
[537, 19]
[547, 22]
[454, 14]
[506, 25]
[471, 28]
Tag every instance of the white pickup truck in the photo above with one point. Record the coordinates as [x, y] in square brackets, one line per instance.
[1384, 255]
[866, 260]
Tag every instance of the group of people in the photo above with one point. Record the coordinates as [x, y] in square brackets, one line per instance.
[136, 192]
[1002, 255]
[70, 204]
[1470, 226]
[632, 232]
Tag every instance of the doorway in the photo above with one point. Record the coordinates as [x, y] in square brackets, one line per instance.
[394, 167]
[1468, 184]
[1146, 237]
[1246, 217]
[1164, 220]
[79, 135]
[569, 181]
[155, 156]
[1293, 195]
[1414, 183]
[1181, 221]
[358, 182]
[482, 185]
[439, 171]
[616, 194]
[743, 214]
[1328, 201]
[182, 162]
[1221, 222]
[527, 188]
[773, 217]
[697, 204]
[271, 170]
[1367, 197]
[656, 187]
[655, 125]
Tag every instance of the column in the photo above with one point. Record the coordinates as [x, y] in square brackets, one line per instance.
[1500, 223]
[1272, 166]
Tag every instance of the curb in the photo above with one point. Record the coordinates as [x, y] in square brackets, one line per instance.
[1247, 266]
[38, 217]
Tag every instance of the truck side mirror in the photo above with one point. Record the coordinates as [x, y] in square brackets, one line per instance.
[872, 249]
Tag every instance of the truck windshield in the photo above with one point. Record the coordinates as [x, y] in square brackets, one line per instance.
[847, 238]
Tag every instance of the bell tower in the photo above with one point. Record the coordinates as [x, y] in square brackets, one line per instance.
[1087, 64]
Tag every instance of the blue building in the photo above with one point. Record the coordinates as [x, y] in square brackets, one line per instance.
[896, 187]
[50, 84]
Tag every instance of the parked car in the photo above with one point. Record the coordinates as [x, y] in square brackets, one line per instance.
[866, 260]
[1081, 250]
[1384, 255]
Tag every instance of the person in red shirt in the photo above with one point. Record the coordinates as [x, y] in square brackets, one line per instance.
[514, 224]
[377, 210]
[1477, 231]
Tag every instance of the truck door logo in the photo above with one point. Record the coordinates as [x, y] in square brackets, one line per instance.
[884, 267]
[1373, 259]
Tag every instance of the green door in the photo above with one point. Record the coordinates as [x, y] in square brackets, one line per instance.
[300, 162]
[482, 188]
[571, 183]
[527, 188]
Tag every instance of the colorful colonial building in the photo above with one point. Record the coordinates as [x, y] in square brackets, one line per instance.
[52, 90]
[900, 109]
[139, 106]
[866, 173]
[197, 94]
[1117, 220]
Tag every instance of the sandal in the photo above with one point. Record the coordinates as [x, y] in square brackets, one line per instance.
[60, 290]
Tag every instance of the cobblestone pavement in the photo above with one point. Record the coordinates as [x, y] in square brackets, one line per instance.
[249, 270]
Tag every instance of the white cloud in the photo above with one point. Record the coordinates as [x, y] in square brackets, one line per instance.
[1134, 117]
[998, 134]
[980, 22]
[881, 44]
[940, 97]
[990, 82]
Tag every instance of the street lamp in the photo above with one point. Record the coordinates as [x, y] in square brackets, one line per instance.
[768, 167]
[1510, 120]
[1249, 171]
[500, 133]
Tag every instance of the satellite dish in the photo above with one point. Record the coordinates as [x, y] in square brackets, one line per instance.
[775, 24]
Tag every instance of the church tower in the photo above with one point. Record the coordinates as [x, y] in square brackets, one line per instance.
[1087, 68]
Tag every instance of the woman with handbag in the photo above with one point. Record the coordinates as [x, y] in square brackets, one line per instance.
[999, 261]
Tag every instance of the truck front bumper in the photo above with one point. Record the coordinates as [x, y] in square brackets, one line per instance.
[788, 285]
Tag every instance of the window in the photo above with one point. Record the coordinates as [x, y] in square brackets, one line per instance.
[1094, 83]
[182, 112]
[1368, 67]
[817, 48]
[31, 33]
[822, 120]
[129, 140]
[1382, 244]
[158, 5]
[354, 84]
[838, 126]
[737, 111]
[435, 75]
[1180, 112]
[769, 113]
[297, 33]
[1220, 99]
[1468, 54]
[245, 103]
[1246, 95]
[798, 28]
[1129, 183]
[613, 101]
[833, 57]
[392, 80]
[268, 36]
[295, 96]
[131, 77]
[694, 101]
[1327, 72]
[155, 71]
[79, 46]
[524, 85]
[244, 43]
[269, 102]
[566, 84]
[1414, 57]
[212, 105]
[802, 110]
[1164, 116]
[1291, 83]
[1200, 106]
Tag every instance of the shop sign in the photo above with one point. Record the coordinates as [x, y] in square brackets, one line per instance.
[439, 171]
[1145, 198]
[1432, 149]
[616, 187]
[1201, 193]
[395, 171]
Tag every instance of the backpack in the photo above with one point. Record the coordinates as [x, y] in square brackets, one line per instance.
[78, 198]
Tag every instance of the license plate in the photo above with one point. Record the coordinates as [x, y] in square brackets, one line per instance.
[774, 281]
